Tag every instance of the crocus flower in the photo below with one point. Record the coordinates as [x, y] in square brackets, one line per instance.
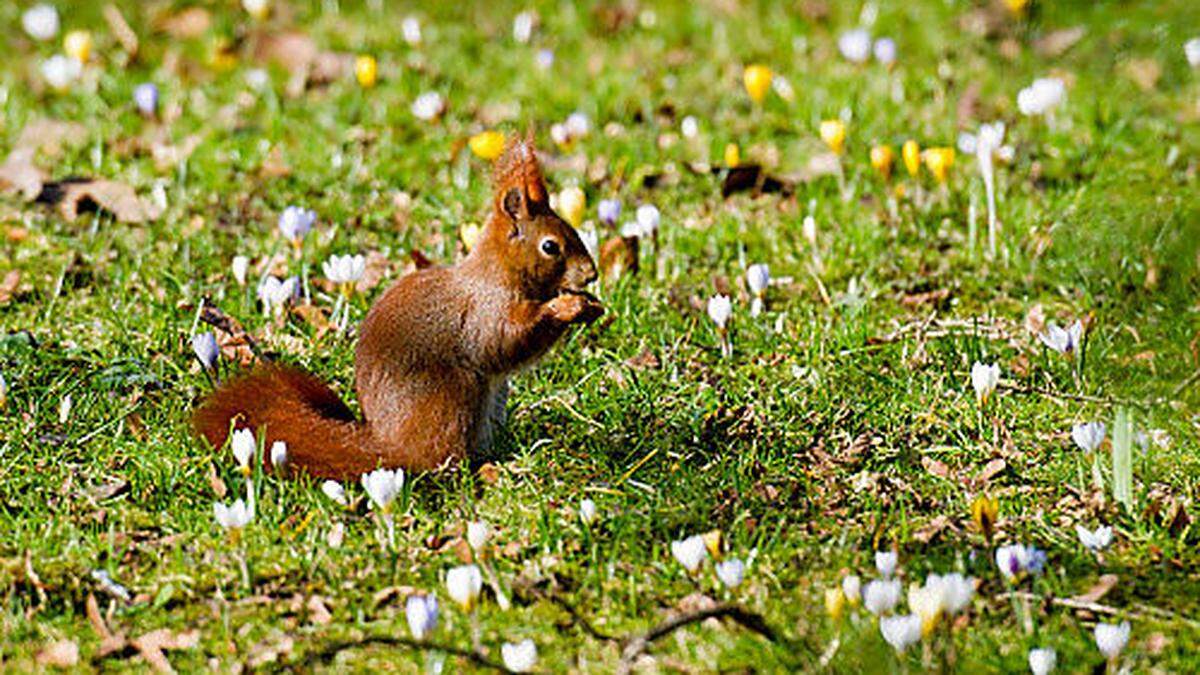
[572, 202]
[809, 229]
[731, 572]
[758, 277]
[689, 127]
[1015, 560]
[885, 562]
[204, 345]
[520, 657]
[957, 591]
[145, 97]
[487, 144]
[648, 219]
[881, 595]
[1063, 341]
[984, 512]
[882, 158]
[1094, 540]
[852, 589]
[855, 45]
[410, 29]
[382, 486]
[233, 517]
[478, 534]
[544, 58]
[732, 156]
[1088, 436]
[40, 22]
[463, 584]
[243, 446]
[279, 455]
[984, 378]
[986, 145]
[939, 161]
[911, 153]
[259, 9]
[690, 552]
[720, 308]
[885, 51]
[428, 106]
[1041, 97]
[366, 70]
[523, 25]
[239, 267]
[275, 294]
[901, 632]
[833, 133]
[78, 45]
[587, 511]
[1191, 49]
[334, 491]
[1111, 638]
[60, 72]
[609, 210]
[835, 602]
[1042, 660]
[578, 125]
[295, 222]
[928, 602]
[757, 81]
[422, 614]
[344, 269]
[781, 86]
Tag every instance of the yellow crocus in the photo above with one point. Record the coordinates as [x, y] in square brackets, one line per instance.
[571, 204]
[835, 602]
[833, 132]
[911, 153]
[1017, 7]
[984, 512]
[487, 144]
[939, 161]
[78, 45]
[882, 157]
[757, 80]
[366, 70]
[712, 541]
[733, 156]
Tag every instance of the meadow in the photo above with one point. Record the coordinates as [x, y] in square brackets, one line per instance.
[882, 455]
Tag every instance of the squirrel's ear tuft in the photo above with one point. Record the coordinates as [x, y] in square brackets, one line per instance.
[518, 168]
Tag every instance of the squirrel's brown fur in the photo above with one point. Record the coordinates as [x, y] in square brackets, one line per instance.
[435, 351]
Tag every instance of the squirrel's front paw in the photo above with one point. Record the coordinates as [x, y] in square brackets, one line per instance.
[575, 308]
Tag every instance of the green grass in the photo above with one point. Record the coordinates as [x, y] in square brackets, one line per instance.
[808, 448]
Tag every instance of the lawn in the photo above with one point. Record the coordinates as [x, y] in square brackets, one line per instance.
[834, 417]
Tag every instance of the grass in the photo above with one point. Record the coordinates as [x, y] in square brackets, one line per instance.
[837, 428]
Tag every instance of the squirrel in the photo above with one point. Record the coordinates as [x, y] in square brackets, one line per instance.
[435, 351]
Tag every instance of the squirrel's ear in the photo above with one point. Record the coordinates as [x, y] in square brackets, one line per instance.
[515, 207]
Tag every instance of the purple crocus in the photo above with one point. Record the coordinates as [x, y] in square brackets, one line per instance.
[609, 210]
[145, 97]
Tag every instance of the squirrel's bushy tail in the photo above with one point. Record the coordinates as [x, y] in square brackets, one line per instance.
[323, 437]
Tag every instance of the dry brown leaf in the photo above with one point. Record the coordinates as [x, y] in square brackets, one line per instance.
[935, 467]
[932, 529]
[1098, 590]
[50, 136]
[8, 287]
[61, 654]
[18, 174]
[292, 50]
[990, 470]
[317, 611]
[167, 156]
[643, 361]
[116, 198]
[120, 29]
[1056, 43]
[109, 642]
[315, 316]
[152, 644]
[189, 23]
[216, 482]
[377, 269]
[1144, 72]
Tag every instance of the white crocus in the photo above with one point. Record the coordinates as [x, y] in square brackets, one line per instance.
[520, 657]
[1111, 638]
[1094, 540]
[901, 632]
[233, 517]
[204, 345]
[852, 589]
[478, 534]
[1191, 49]
[885, 51]
[382, 486]
[279, 455]
[648, 219]
[591, 240]
[690, 127]
[243, 446]
[275, 293]
[984, 378]
[523, 25]
[758, 277]
[40, 22]
[731, 572]
[690, 552]
[428, 106]
[60, 72]
[855, 45]
[1042, 96]
[410, 29]
[463, 584]
[720, 308]
[344, 269]
[240, 266]
[1063, 340]
[928, 601]
[957, 591]
[422, 614]
[987, 145]
[334, 491]
[1088, 436]
[295, 222]
[578, 125]
[1042, 660]
[885, 562]
[880, 596]
[587, 511]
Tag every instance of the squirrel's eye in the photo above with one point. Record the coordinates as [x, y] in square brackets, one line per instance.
[550, 247]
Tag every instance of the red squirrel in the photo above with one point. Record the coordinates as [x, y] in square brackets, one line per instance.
[435, 351]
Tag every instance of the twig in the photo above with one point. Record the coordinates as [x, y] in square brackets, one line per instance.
[1191, 379]
[638, 644]
[576, 618]
[331, 650]
[1039, 391]
[1141, 612]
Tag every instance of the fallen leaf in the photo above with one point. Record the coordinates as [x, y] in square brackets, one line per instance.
[1056, 43]
[75, 195]
[932, 529]
[189, 23]
[18, 174]
[935, 297]
[8, 287]
[168, 156]
[49, 136]
[643, 361]
[109, 642]
[750, 177]
[990, 470]
[968, 103]
[152, 644]
[935, 467]
[120, 29]
[377, 268]
[1144, 72]
[317, 611]
[61, 654]
[1099, 589]
[236, 344]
